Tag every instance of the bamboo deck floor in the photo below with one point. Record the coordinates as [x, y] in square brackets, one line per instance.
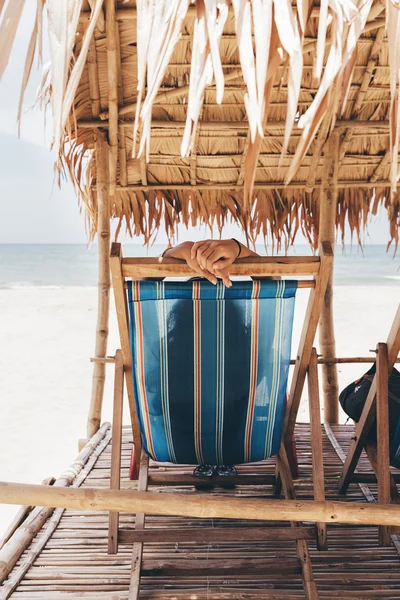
[74, 562]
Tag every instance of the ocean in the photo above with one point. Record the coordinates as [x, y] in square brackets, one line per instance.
[73, 265]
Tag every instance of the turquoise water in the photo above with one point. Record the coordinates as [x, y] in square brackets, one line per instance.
[59, 265]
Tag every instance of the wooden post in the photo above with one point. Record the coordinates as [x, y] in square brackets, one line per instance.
[382, 439]
[316, 443]
[103, 236]
[327, 221]
[115, 471]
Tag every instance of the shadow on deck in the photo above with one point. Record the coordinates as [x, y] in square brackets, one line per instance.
[74, 562]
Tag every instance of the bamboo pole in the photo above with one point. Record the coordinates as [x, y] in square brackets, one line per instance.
[270, 185]
[103, 233]
[113, 76]
[203, 506]
[221, 125]
[20, 517]
[23, 536]
[327, 221]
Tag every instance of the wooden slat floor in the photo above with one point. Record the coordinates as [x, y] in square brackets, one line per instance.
[74, 563]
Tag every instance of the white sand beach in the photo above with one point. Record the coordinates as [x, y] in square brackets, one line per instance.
[47, 337]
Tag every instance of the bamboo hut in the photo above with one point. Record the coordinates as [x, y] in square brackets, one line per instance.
[180, 113]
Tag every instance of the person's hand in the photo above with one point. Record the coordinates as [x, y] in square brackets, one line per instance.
[183, 251]
[216, 256]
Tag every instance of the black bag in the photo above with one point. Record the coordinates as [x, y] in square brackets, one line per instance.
[353, 397]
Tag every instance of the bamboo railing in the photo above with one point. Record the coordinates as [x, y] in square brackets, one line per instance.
[205, 506]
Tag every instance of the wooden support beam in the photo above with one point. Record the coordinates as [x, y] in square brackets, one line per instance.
[317, 456]
[123, 327]
[369, 411]
[123, 171]
[326, 233]
[214, 534]
[93, 74]
[199, 505]
[178, 480]
[307, 340]
[268, 185]
[103, 302]
[115, 471]
[265, 266]
[382, 435]
[113, 75]
[310, 589]
[219, 125]
[137, 553]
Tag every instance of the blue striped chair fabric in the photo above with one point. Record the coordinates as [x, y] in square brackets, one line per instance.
[210, 368]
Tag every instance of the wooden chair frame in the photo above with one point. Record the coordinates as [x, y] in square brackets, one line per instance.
[376, 408]
[319, 268]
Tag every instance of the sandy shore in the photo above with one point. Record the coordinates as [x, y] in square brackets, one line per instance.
[47, 337]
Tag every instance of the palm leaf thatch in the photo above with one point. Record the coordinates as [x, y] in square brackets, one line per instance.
[219, 110]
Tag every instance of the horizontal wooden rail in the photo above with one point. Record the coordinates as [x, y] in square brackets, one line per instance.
[214, 534]
[321, 361]
[160, 479]
[267, 185]
[199, 505]
[102, 359]
[301, 284]
[236, 125]
[139, 268]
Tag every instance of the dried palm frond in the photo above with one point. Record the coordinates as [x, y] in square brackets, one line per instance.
[206, 63]
[347, 74]
[162, 20]
[8, 28]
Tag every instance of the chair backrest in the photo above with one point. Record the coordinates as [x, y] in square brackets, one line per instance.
[316, 270]
[210, 368]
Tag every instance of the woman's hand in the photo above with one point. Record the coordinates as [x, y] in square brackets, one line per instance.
[216, 256]
[183, 251]
[210, 258]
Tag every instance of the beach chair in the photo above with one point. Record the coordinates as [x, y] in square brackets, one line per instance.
[381, 453]
[206, 371]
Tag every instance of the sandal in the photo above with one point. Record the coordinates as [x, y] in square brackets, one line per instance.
[204, 471]
[225, 470]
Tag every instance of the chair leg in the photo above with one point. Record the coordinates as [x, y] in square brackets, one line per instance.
[136, 564]
[278, 482]
[382, 432]
[115, 473]
[316, 443]
[310, 587]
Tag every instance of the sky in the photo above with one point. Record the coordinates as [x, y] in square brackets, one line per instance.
[33, 208]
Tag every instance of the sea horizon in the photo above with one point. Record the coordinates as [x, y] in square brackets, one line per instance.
[48, 265]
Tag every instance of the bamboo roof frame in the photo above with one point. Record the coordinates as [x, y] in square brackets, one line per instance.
[270, 185]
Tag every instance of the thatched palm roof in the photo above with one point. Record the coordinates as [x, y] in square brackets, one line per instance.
[234, 101]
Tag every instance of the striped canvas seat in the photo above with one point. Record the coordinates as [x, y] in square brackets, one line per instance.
[210, 368]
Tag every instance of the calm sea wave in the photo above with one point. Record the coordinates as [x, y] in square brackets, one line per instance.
[73, 265]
